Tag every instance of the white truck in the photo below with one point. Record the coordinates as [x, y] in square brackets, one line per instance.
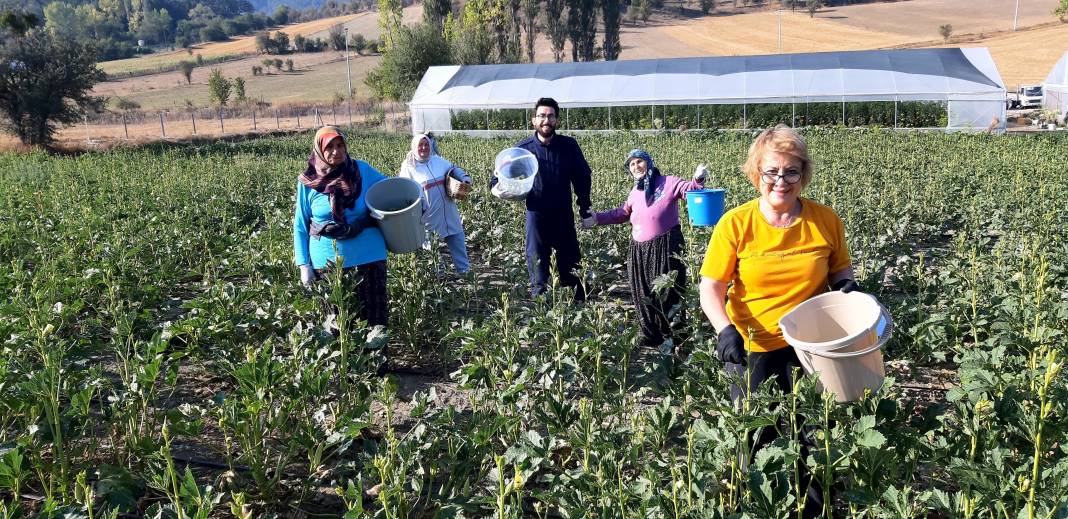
[1026, 96]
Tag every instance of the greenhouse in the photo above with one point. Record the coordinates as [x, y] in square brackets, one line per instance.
[1055, 88]
[952, 88]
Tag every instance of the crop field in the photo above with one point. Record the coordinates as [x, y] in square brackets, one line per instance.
[159, 357]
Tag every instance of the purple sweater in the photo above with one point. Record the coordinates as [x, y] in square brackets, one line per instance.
[651, 221]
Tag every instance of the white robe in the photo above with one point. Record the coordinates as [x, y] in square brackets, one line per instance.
[440, 213]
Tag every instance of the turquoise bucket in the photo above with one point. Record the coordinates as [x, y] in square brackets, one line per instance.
[705, 206]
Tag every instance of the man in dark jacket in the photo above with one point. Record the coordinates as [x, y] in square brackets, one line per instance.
[550, 219]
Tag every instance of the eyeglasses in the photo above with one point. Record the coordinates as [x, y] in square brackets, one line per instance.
[545, 117]
[790, 176]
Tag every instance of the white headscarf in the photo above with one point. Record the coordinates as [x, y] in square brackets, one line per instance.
[412, 159]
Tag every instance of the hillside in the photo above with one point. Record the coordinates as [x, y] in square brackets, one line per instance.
[1023, 56]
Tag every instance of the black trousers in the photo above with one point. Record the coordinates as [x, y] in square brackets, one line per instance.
[778, 366]
[646, 262]
[545, 234]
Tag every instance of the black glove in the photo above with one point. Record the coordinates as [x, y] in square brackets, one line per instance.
[585, 213]
[846, 285]
[341, 231]
[731, 346]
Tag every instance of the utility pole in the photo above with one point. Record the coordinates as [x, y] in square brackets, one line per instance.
[348, 73]
[780, 31]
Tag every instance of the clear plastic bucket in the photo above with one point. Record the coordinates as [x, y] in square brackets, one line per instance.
[397, 205]
[839, 336]
[515, 169]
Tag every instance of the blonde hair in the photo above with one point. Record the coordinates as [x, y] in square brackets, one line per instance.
[782, 139]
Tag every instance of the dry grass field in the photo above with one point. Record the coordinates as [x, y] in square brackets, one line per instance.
[234, 47]
[317, 76]
[1022, 57]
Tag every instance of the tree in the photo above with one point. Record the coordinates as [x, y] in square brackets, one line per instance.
[390, 15]
[582, 29]
[708, 6]
[281, 42]
[530, 26]
[813, 6]
[358, 42]
[645, 9]
[281, 15]
[415, 49]
[186, 67]
[18, 23]
[336, 37]
[264, 43]
[267, 64]
[239, 89]
[289, 65]
[472, 43]
[45, 81]
[277, 64]
[1061, 11]
[611, 14]
[556, 27]
[201, 12]
[435, 12]
[946, 31]
[219, 87]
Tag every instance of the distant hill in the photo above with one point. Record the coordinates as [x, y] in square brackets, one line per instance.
[268, 6]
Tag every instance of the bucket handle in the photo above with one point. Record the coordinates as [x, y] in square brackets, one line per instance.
[888, 331]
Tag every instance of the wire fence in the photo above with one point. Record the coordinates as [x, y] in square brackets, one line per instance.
[109, 128]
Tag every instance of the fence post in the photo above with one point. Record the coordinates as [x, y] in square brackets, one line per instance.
[253, 120]
[125, 130]
[162, 130]
[318, 119]
[298, 120]
[85, 119]
[277, 124]
[222, 129]
[193, 115]
[348, 108]
[333, 113]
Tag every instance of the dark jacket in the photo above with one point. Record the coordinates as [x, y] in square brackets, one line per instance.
[561, 165]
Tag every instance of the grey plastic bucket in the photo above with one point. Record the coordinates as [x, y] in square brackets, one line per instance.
[839, 336]
[397, 205]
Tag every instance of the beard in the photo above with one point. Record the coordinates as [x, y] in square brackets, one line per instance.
[546, 131]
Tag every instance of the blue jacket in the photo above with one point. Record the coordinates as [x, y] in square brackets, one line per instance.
[561, 165]
[366, 247]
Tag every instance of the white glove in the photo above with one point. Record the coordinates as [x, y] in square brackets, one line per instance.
[589, 223]
[700, 174]
[495, 191]
[307, 275]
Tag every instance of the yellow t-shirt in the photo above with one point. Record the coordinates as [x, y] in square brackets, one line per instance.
[773, 269]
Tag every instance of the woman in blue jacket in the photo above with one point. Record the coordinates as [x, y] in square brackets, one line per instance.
[332, 225]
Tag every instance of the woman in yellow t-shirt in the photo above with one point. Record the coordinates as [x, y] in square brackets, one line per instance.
[766, 257]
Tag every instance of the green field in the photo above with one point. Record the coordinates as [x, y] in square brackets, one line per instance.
[160, 357]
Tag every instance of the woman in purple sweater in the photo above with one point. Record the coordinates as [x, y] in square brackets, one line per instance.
[656, 242]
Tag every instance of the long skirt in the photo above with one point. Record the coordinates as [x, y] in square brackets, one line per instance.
[646, 262]
[370, 288]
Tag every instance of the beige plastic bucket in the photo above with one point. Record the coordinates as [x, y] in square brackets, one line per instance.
[397, 205]
[839, 336]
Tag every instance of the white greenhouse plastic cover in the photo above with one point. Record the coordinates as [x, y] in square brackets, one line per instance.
[966, 78]
[1055, 89]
